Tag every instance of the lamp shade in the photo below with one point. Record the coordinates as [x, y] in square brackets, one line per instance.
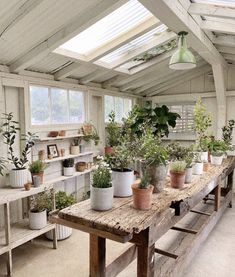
[182, 59]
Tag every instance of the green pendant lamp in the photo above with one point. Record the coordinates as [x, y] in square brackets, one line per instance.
[182, 59]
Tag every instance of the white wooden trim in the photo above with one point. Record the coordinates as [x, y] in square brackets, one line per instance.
[226, 40]
[66, 71]
[218, 26]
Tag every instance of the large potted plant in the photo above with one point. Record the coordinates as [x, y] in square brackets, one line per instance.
[142, 193]
[217, 150]
[10, 128]
[62, 201]
[101, 187]
[68, 167]
[113, 133]
[177, 174]
[39, 206]
[37, 169]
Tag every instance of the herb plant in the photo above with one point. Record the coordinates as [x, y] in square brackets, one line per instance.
[63, 200]
[178, 166]
[217, 147]
[41, 202]
[101, 175]
[227, 132]
[37, 166]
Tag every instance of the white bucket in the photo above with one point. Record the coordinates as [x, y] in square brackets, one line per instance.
[198, 168]
[37, 221]
[101, 198]
[122, 182]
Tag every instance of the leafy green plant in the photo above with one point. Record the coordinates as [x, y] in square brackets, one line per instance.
[41, 202]
[68, 162]
[189, 156]
[217, 147]
[63, 200]
[113, 131]
[178, 166]
[204, 143]
[176, 151]
[227, 132]
[144, 181]
[101, 175]
[37, 166]
[9, 130]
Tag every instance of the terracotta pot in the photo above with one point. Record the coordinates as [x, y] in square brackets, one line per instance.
[177, 179]
[27, 186]
[62, 133]
[40, 174]
[206, 167]
[81, 166]
[108, 150]
[53, 134]
[142, 198]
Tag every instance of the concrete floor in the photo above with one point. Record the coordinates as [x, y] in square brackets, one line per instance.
[216, 257]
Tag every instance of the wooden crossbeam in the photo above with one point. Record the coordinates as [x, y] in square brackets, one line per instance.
[186, 230]
[200, 212]
[165, 253]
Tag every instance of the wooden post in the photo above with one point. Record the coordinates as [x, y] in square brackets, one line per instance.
[145, 260]
[217, 196]
[97, 256]
[8, 237]
[54, 230]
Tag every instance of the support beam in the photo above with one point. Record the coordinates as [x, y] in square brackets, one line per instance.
[92, 76]
[226, 40]
[66, 71]
[220, 89]
[226, 49]
[230, 57]
[212, 10]
[77, 25]
[218, 26]
[110, 81]
[175, 16]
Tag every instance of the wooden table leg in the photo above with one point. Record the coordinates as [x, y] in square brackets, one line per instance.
[217, 196]
[97, 256]
[145, 260]
[8, 237]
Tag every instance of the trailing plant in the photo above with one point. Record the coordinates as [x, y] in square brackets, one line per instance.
[37, 166]
[144, 182]
[63, 200]
[227, 132]
[113, 131]
[101, 175]
[178, 166]
[41, 202]
[9, 130]
[68, 162]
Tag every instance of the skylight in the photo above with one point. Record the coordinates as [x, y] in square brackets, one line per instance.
[108, 28]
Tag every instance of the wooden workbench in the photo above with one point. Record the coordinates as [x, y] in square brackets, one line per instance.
[143, 228]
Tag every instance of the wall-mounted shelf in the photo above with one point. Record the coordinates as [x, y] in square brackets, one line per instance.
[44, 139]
[68, 157]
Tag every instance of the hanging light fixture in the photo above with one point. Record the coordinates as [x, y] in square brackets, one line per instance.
[182, 59]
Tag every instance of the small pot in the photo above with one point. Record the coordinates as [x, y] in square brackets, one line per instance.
[53, 134]
[68, 171]
[42, 155]
[37, 221]
[204, 156]
[27, 186]
[75, 149]
[206, 167]
[40, 174]
[81, 166]
[177, 179]
[108, 150]
[122, 181]
[188, 175]
[87, 129]
[101, 198]
[62, 133]
[18, 177]
[198, 168]
[216, 160]
[62, 232]
[142, 198]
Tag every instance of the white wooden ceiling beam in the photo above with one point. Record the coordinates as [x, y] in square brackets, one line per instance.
[226, 49]
[218, 26]
[212, 10]
[176, 17]
[92, 76]
[109, 82]
[230, 57]
[66, 71]
[77, 25]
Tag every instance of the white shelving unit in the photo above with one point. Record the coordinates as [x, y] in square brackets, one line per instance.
[68, 156]
[45, 139]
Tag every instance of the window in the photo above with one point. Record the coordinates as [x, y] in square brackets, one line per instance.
[56, 106]
[185, 123]
[121, 106]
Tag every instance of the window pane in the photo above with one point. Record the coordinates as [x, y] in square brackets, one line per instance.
[119, 108]
[127, 107]
[59, 106]
[40, 107]
[108, 106]
[76, 106]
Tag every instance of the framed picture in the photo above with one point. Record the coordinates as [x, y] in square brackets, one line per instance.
[52, 150]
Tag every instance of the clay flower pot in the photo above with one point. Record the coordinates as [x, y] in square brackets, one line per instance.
[206, 167]
[27, 186]
[177, 179]
[40, 174]
[108, 150]
[142, 198]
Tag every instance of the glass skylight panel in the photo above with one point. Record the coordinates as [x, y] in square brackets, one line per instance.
[133, 45]
[108, 28]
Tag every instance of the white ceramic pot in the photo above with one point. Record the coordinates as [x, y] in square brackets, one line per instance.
[37, 221]
[68, 171]
[18, 177]
[75, 149]
[198, 168]
[204, 156]
[122, 182]
[216, 160]
[62, 232]
[188, 175]
[101, 198]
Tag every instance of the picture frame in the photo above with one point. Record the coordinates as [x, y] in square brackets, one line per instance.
[53, 150]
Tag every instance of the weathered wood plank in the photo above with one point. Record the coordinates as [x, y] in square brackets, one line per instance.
[145, 260]
[166, 253]
[97, 256]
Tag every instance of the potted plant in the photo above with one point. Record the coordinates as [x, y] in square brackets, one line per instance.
[68, 167]
[217, 149]
[227, 132]
[142, 193]
[19, 174]
[37, 169]
[75, 147]
[189, 157]
[204, 147]
[113, 133]
[154, 160]
[198, 164]
[90, 133]
[39, 205]
[101, 187]
[177, 174]
[62, 201]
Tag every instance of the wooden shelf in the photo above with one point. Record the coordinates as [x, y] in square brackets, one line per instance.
[20, 234]
[59, 138]
[67, 157]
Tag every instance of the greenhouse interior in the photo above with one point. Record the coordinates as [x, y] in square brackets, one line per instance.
[117, 148]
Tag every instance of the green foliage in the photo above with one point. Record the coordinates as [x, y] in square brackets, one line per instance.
[144, 182]
[68, 162]
[77, 141]
[37, 166]
[101, 175]
[41, 202]
[9, 130]
[217, 147]
[94, 136]
[227, 132]
[62, 200]
[203, 144]
[178, 166]
[159, 119]
[2, 165]
[113, 131]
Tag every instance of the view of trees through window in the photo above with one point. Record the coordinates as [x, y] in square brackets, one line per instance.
[56, 106]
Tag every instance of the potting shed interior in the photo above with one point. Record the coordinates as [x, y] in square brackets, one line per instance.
[116, 138]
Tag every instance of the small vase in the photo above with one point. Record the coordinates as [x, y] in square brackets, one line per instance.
[188, 175]
[122, 181]
[177, 179]
[142, 198]
[101, 198]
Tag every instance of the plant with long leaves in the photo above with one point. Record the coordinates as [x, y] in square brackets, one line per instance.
[9, 130]
[2, 165]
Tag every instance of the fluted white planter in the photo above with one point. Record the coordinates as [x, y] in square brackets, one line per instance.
[216, 160]
[198, 168]
[37, 221]
[68, 171]
[62, 232]
[122, 182]
[101, 198]
[18, 177]
[204, 156]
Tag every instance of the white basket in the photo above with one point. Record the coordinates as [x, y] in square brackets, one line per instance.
[62, 232]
